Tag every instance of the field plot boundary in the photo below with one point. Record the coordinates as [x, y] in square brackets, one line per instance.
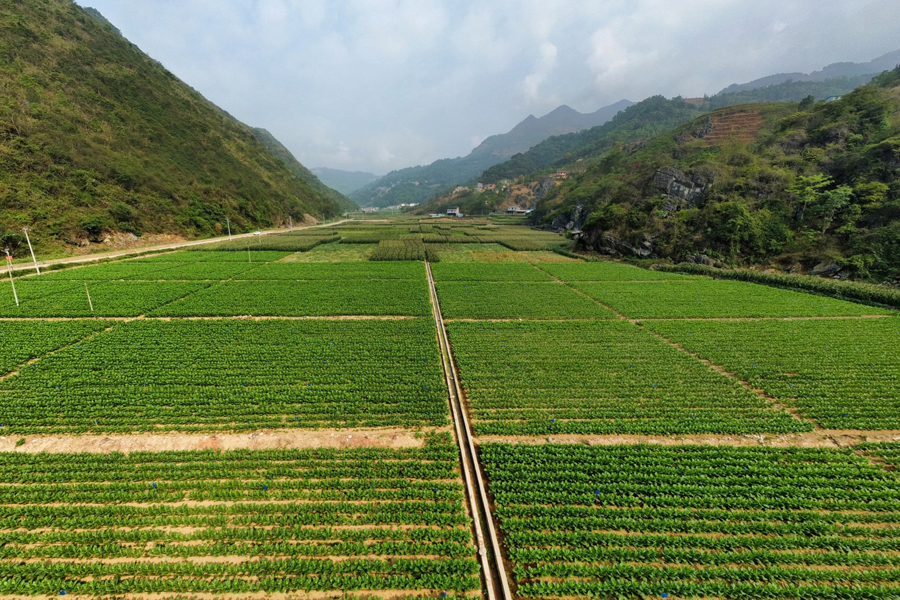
[771, 400]
[828, 438]
[494, 572]
[375, 437]
[588, 296]
[18, 368]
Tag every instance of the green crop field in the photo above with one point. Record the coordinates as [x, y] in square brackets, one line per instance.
[843, 373]
[190, 271]
[329, 351]
[21, 341]
[606, 271]
[705, 298]
[337, 271]
[108, 298]
[131, 269]
[888, 452]
[333, 253]
[598, 377]
[194, 375]
[240, 522]
[242, 255]
[516, 300]
[32, 288]
[488, 272]
[695, 522]
[305, 298]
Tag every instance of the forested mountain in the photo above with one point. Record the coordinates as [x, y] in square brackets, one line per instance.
[97, 138]
[790, 91]
[795, 185]
[416, 184]
[839, 70]
[639, 121]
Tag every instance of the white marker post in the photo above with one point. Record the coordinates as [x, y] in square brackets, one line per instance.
[11, 282]
[229, 228]
[291, 221]
[36, 267]
[248, 252]
[91, 304]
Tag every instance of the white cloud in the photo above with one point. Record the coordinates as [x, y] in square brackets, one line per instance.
[543, 68]
[383, 84]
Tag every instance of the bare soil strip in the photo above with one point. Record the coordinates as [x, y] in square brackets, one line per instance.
[294, 595]
[263, 440]
[826, 318]
[224, 318]
[837, 438]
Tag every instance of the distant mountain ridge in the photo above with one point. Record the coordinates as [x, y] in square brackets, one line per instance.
[533, 130]
[346, 182]
[416, 184]
[885, 62]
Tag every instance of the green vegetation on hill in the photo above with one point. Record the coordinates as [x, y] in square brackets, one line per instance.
[417, 184]
[639, 121]
[789, 184]
[282, 153]
[96, 137]
[790, 91]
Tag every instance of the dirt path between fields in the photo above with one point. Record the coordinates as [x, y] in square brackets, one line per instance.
[262, 440]
[836, 438]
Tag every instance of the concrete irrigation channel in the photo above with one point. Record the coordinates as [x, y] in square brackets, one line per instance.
[489, 552]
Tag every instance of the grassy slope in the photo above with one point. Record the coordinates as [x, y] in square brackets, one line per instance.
[763, 206]
[283, 154]
[96, 137]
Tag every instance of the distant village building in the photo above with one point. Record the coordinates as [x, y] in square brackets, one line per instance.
[454, 211]
[515, 210]
[490, 186]
[479, 187]
[460, 188]
[561, 175]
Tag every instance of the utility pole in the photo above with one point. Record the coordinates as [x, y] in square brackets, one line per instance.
[248, 252]
[36, 267]
[91, 304]
[229, 228]
[291, 221]
[11, 282]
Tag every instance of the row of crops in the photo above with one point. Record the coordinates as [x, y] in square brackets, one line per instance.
[234, 375]
[841, 373]
[598, 377]
[696, 522]
[278, 521]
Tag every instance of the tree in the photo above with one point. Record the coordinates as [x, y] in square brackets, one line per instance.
[829, 203]
[807, 189]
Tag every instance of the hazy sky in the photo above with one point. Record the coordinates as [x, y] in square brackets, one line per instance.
[383, 84]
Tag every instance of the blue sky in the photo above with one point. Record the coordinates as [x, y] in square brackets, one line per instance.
[383, 84]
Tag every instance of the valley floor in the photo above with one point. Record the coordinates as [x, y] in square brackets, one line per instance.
[481, 422]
